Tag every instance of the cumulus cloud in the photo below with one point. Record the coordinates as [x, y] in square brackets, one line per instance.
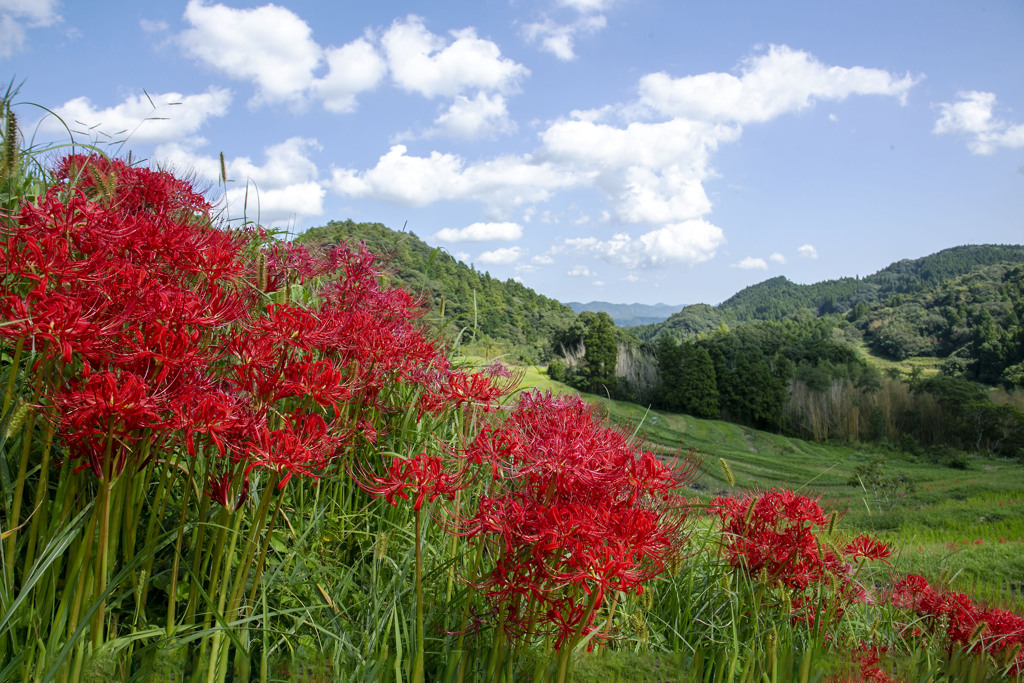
[273, 48]
[483, 116]
[18, 15]
[145, 119]
[501, 257]
[428, 64]
[651, 172]
[270, 45]
[751, 263]
[973, 117]
[559, 39]
[686, 243]
[282, 188]
[503, 183]
[481, 232]
[807, 251]
[777, 258]
[581, 271]
[778, 81]
[352, 69]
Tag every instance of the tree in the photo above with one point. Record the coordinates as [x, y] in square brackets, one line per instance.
[601, 352]
[697, 386]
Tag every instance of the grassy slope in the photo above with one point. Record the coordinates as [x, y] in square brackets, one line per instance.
[935, 529]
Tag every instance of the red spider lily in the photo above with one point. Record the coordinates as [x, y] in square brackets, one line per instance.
[868, 548]
[963, 624]
[867, 658]
[425, 475]
[319, 380]
[303, 446]
[219, 489]
[773, 534]
[576, 513]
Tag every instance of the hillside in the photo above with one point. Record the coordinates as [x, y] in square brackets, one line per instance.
[472, 305]
[628, 315]
[778, 298]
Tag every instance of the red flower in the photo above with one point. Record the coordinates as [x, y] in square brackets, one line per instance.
[868, 548]
[576, 514]
[425, 475]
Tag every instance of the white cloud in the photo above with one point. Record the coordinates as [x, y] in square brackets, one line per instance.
[751, 263]
[481, 232]
[581, 271]
[501, 257]
[777, 258]
[651, 172]
[352, 69]
[631, 277]
[586, 6]
[471, 119]
[973, 117]
[543, 260]
[270, 45]
[559, 39]
[284, 187]
[461, 256]
[147, 119]
[688, 243]
[426, 63]
[808, 251]
[504, 182]
[779, 81]
[18, 15]
[597, 283]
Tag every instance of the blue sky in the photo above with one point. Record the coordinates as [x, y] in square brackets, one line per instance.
[620, 150]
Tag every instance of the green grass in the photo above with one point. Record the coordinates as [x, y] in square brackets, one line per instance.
[933, 528]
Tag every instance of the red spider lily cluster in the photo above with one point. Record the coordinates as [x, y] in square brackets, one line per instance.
[774, 538]
[574, 514]
[963, 624]
[153, 325]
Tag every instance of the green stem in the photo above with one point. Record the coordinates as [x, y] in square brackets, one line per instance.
[566, 654]
[265, 547]
[215, 671]
[242, 573]
[42, 503]
[9, 390]
[465, 612]
[417, 664]
[172, 594]
[14, 519]
[102, 556]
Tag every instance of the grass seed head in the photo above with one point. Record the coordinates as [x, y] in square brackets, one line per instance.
[727, 472]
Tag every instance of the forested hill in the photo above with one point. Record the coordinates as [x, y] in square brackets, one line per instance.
[515, 317]
[778, 298]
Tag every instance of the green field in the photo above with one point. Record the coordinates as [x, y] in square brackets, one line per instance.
[960, 520]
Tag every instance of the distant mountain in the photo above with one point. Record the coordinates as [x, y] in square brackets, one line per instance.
[628, 315]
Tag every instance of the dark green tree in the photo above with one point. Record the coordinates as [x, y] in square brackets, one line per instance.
[601, 352]
[698, 387]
